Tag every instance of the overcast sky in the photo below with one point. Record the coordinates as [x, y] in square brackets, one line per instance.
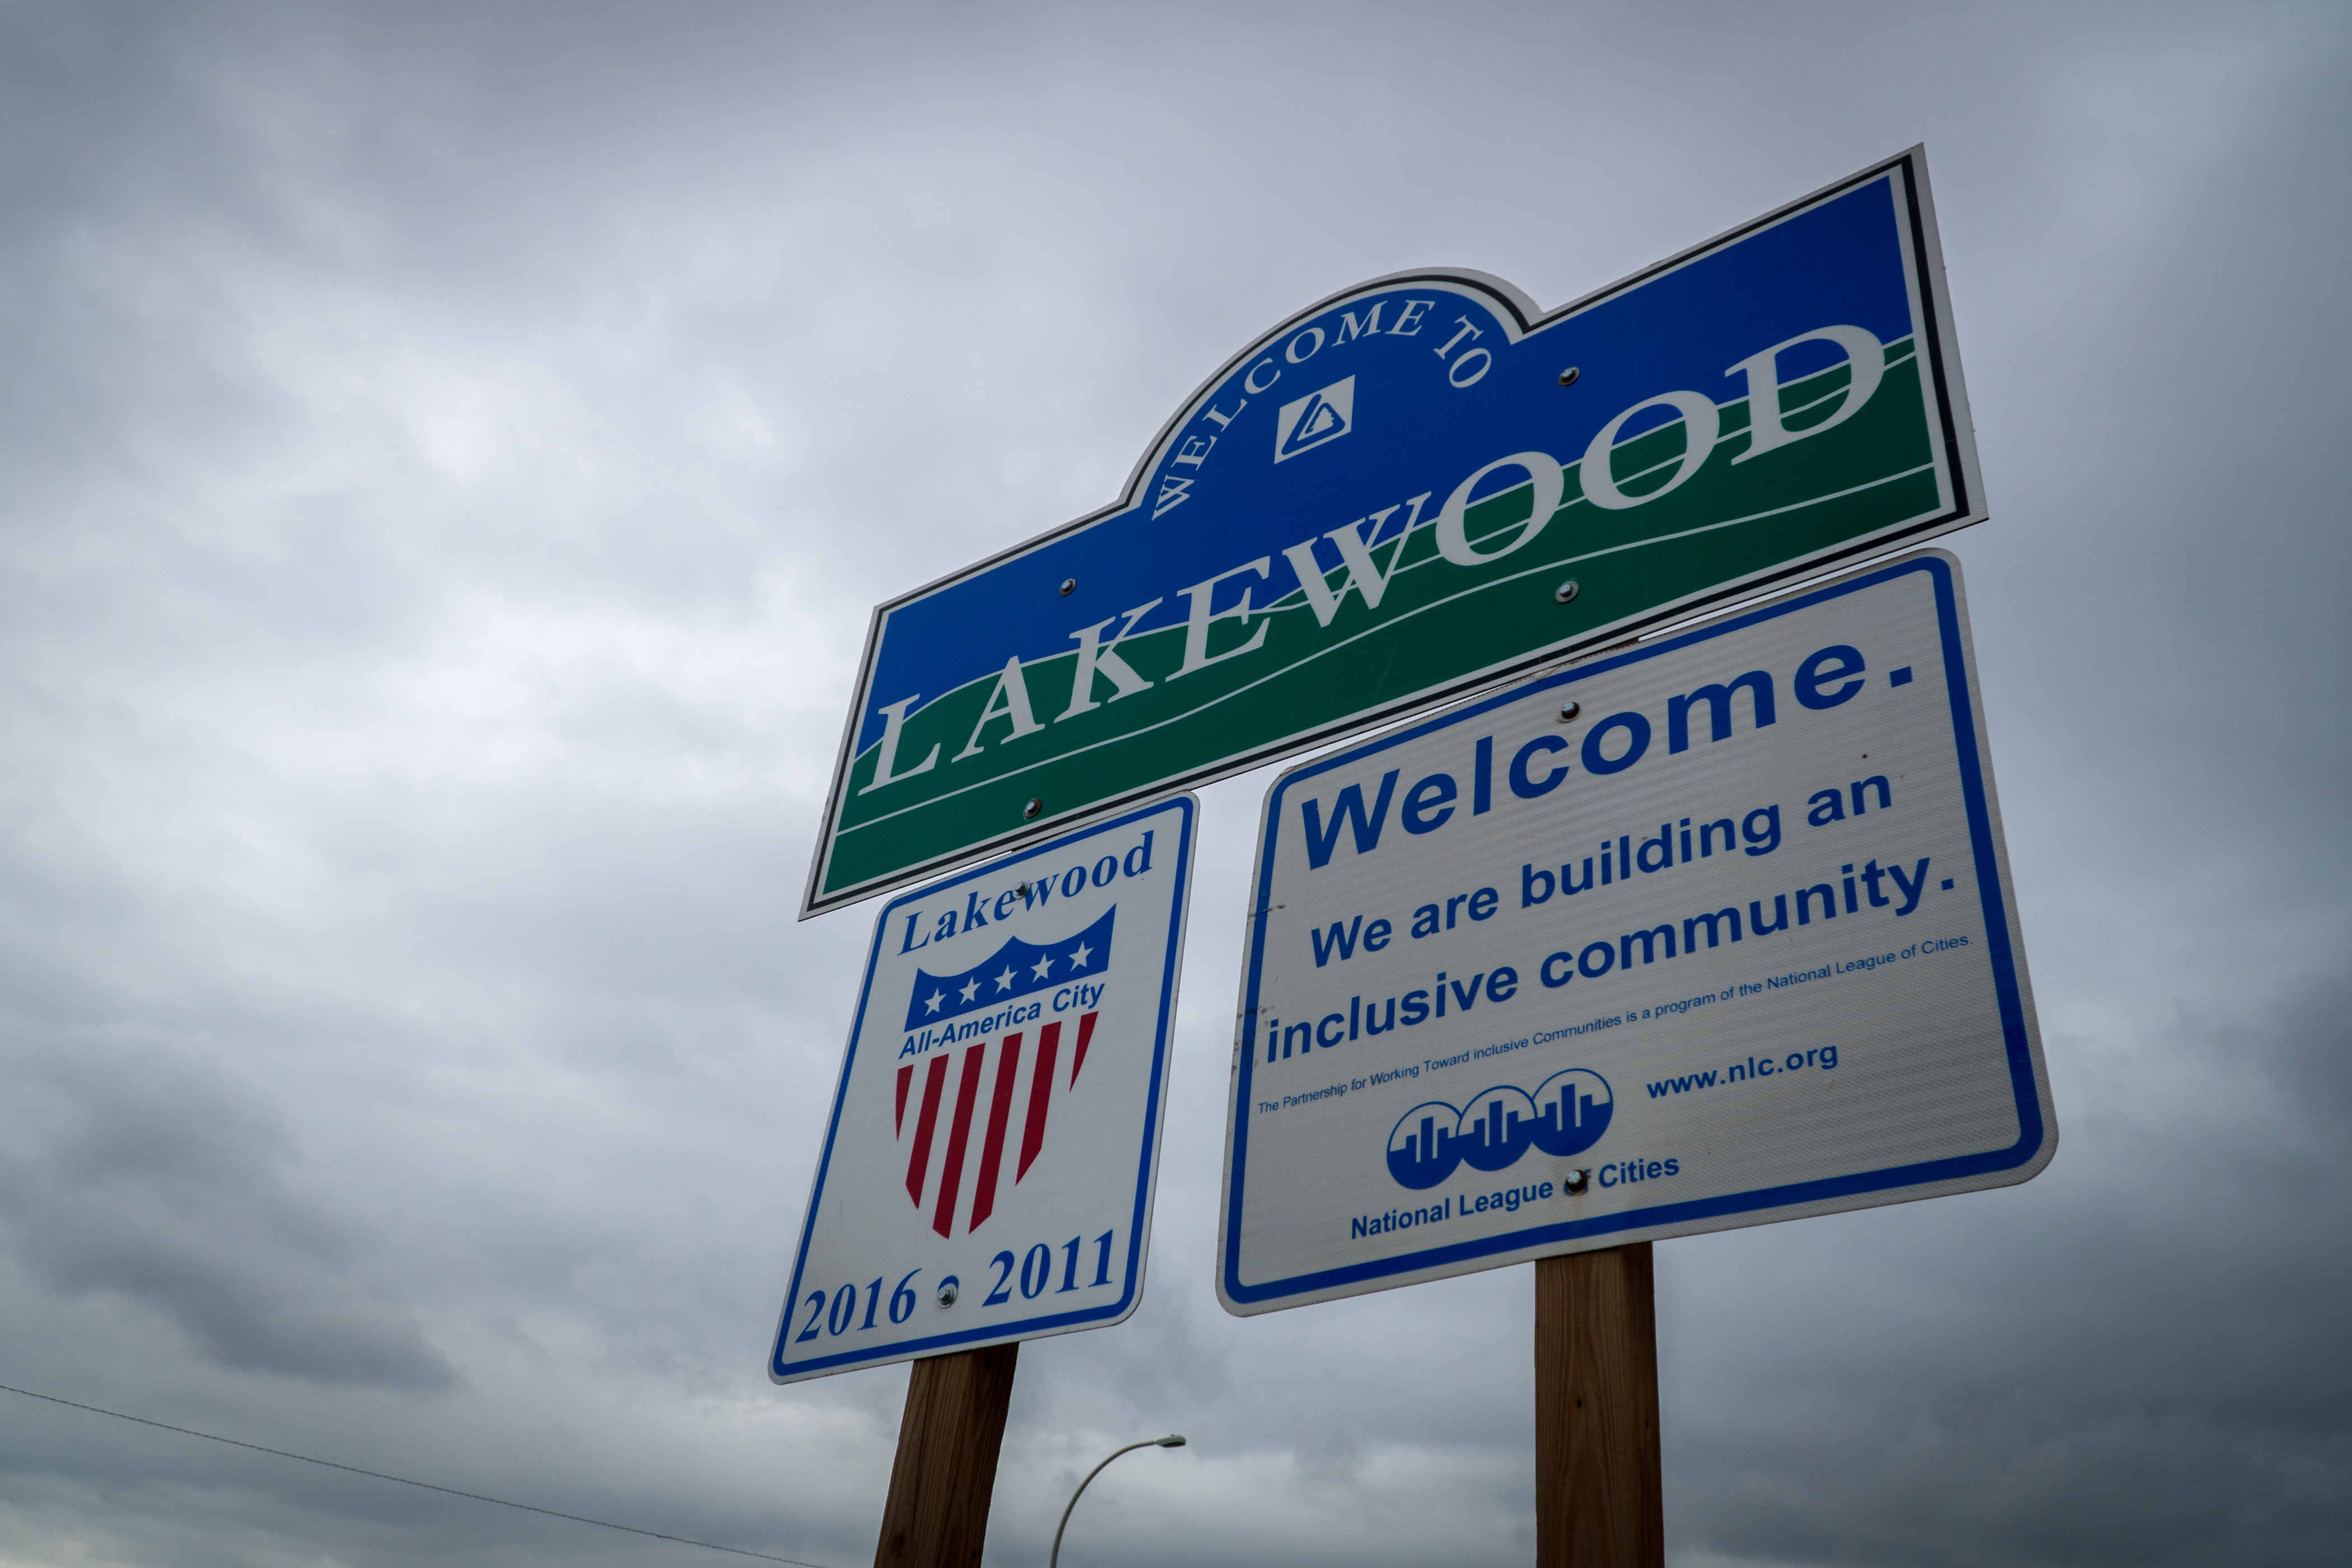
[447, 455]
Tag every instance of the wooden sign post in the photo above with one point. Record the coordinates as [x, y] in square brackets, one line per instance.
[1598, 1503]
[945, 1474]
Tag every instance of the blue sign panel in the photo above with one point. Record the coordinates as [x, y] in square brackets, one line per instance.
[1405, 491]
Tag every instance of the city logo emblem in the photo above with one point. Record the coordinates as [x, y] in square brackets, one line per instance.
[997, 1004]
[1312, 420]
[1566, 1116]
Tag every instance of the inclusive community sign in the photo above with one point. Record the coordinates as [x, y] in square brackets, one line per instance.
[1418, 487]
[1713, 933]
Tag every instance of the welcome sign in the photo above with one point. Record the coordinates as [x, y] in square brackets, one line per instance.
[1713, 933]
[1409, 489]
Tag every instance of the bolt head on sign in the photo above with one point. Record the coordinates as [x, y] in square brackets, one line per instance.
[987, 1172]
[1715, 932]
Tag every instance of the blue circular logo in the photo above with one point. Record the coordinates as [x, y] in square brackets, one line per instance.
[1566, 1116]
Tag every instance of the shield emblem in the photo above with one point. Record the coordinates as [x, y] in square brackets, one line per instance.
[1013, 1073]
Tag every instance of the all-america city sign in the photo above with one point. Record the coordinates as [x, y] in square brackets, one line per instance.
[987, 1173]
[1413, 489]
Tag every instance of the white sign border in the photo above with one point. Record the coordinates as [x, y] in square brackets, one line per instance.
[2037, 1134]
[1155, 1115]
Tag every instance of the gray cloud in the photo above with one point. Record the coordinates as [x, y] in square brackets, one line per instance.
[2133, 1366]
[446, 455]
[144, 1170]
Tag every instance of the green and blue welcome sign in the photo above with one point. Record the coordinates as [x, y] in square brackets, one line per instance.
[1411, 489]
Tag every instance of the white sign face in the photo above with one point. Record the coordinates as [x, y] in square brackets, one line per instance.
[1734, 943]
[987, 1174]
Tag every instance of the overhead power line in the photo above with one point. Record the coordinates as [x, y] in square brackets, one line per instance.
[403, 1481]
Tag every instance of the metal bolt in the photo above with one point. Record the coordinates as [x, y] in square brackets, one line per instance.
[1024, 890]
[948, 1288]
[1069, 586]
[1567, 711]
[1574, 1181]
[1566, 591]
[1032, 809]
[1568, 377]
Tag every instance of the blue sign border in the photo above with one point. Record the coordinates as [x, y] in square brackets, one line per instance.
[1004, 1330]
[1999, 939]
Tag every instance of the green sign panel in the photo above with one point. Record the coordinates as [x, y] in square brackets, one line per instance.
[1414, 488]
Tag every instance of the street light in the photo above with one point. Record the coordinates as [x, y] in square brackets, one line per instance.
[1173, 1440]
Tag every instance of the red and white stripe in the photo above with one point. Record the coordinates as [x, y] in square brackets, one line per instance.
[948, 1100]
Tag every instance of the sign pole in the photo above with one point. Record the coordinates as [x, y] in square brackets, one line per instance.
[1598, 1496]
[945, 1474]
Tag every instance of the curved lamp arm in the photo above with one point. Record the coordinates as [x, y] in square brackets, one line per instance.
[1173, 1440]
